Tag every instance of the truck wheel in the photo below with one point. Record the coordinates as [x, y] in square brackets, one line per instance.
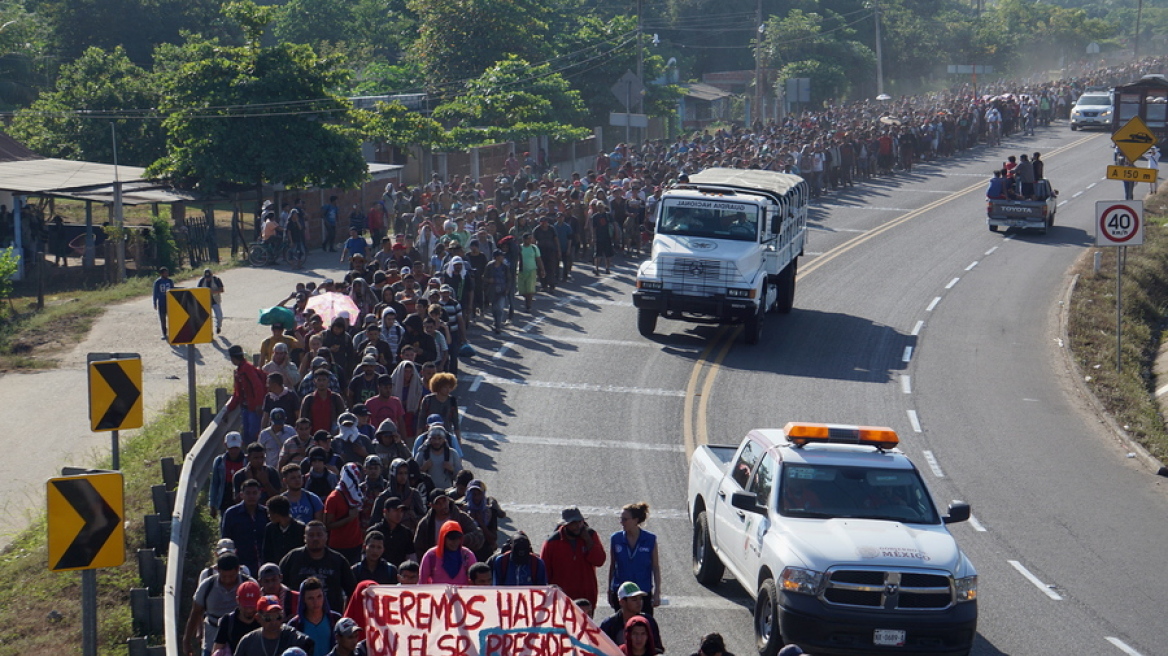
[993, 228]
[1074, 127]
[646, 322]
[754, 326]
[786, 289]
[766, 620]
[707, 567]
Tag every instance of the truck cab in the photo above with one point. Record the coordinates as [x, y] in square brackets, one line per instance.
[725, 250]
[833, 532]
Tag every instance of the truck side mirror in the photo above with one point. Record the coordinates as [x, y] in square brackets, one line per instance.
[776, 223]
[959, 511]
[745, 501]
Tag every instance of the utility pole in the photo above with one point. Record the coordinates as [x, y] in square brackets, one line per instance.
[640, 66]
[119, 223]
[879, 55]
[1139, 15]
[757, 113]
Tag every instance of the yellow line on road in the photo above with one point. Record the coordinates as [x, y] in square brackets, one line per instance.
[695, 429]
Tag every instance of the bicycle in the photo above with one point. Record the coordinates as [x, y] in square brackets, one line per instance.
[264, 254]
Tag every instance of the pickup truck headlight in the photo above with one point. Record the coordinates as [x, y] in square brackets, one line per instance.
[740, 293]
[966, 588]
[649, 284]
[803, 581]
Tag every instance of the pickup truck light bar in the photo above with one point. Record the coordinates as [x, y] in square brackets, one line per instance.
[800, 434]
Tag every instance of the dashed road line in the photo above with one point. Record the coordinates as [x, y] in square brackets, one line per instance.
[906, 383]
[914, 420]
[917, 328]
[1122, 646]
[495, 438]
[503, 350]
[907, 356]
[476, 384]
[933, 464]
[933, 304]
[1092, 185]
[587, 300]
[970, 267]
[991, 251]
[1046, 589]
[1062, 202]
[977, 526]
[952, 283]
[712, 603]
[1076, 194]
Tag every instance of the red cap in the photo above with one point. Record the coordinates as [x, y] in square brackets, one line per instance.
[269, 604]
[248, 594]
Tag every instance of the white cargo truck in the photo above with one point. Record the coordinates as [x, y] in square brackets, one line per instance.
[725, 250]
[832, 531]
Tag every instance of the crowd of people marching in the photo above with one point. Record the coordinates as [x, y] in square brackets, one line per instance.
[349, 469]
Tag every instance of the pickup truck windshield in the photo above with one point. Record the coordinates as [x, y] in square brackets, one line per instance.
[709, 218]
[829, 491]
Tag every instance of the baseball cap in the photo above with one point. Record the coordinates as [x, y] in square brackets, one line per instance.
[269, 603]
[572, 514]
[280, 346]
[629, 589]
[278, 415]
[236, 351]
[233, 439]
[347, 626]
[267, 569]
[393, 502]
[206, 272]
[248, 593]
[405, 271]
[446, 289]
[360, 410]
[386, 426]
[385, 379]
[224, 546]
[347, 419]
[372, 459]
[435, 420]
[790, 650]
[369, 360]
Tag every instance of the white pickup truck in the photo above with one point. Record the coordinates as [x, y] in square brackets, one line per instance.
[832, 531]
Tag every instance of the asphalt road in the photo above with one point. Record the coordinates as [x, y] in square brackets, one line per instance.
[909, 313]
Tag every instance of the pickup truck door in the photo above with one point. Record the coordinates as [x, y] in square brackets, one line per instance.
[730, 522]
[757, 524]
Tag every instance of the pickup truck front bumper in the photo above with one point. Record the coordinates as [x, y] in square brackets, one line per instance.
[822, 629]
[668, 303]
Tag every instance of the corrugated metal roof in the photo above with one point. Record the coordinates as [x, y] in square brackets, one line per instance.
[50, 175]
[704, 92]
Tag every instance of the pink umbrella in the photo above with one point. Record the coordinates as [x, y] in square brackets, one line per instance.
[331, 305]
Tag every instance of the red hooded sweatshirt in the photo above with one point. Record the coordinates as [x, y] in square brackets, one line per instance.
[569, 567]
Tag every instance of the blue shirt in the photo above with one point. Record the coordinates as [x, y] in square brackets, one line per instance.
[306, 508]
[630, 565]
[161, 286]
[330, 213]
[247, 532]
[355, 245]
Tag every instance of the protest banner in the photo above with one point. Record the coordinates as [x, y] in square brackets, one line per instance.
[442, 620]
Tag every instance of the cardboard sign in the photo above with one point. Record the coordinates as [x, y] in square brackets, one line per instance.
[441, 620]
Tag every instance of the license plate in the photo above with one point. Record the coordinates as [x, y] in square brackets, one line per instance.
[1018, 224]
[888, 638]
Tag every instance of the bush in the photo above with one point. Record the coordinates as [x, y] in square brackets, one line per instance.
[166, 250]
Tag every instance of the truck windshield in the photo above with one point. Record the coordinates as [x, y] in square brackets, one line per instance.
[896, 495]
[708, 218]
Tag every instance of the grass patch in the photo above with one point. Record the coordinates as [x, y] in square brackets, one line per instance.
[32, 592]
[30, 338]
[1128, 395]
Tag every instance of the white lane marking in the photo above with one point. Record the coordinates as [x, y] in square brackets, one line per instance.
[586, 300]
[907, 356]
[852, 229]
[917, 328]
[1062, 202]
[914, 420]
[812, 254]
[531, 324]
[906, 383]
[1163, 390]
[1076, 194]
[991, 251]
[597, 283]
[1009, 238]
[571, 442]
[1046, 589]
[1122, 646]
[1092, 185]
[970, 267]
[952, 282]
[933, 464]
[591, 512]
[713, 603]
[933, 304]
[579, 387]
[478, 382]
[976, 524]
[503, 350]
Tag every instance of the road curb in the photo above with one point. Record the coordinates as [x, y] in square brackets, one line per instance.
[1142, 454]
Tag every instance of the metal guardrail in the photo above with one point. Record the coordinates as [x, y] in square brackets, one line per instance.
[195, 470]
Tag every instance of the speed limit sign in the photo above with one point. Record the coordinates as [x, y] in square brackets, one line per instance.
[1119, 223]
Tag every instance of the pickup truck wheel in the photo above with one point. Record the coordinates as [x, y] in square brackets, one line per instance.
[646, 322]
[707, 567]
[754, 326]
[993, 228]
[766, 619]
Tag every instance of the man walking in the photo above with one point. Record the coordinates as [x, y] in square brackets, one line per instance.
[212, 282]
[328, 215]
[248, 394]
[572, 554]
[161, 286]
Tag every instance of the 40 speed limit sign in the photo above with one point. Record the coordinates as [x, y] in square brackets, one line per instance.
[1119, 223]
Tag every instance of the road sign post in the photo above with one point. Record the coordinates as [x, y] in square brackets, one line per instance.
[1119, 223]
[85, 515]
[115, 396]
[188, 322]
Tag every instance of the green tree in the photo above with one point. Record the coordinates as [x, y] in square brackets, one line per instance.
[820, 47]
[513, 91]
[24, 61]
[73, 120]
[253, 114]
[394, 124]
[827, 80]
[460, 39]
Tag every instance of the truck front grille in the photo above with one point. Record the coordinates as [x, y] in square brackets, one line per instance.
[890, 590]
